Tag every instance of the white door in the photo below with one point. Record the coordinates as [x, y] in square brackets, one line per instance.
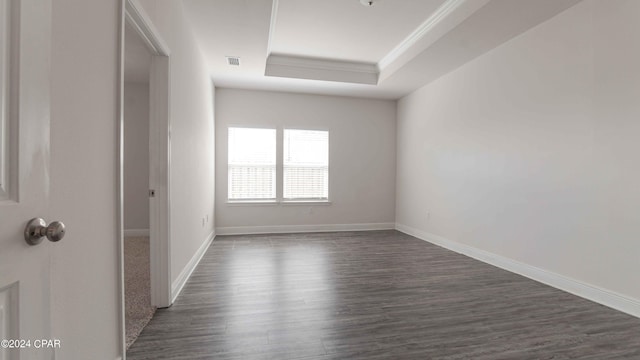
[25, 293]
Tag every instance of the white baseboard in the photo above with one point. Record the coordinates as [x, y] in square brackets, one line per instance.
[280, 229]
[136, 232]
[181, 280]
[596, 294]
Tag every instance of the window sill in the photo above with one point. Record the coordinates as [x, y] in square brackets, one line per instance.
[305, 202]
[276, 202]
[251, 202]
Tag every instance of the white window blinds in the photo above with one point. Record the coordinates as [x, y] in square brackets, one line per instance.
[252, 164]
[306, 165]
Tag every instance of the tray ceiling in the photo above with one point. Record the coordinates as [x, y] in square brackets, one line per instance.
[344, 48]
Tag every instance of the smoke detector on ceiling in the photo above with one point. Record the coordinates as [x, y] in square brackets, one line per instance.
[233, 60]
[367, 3]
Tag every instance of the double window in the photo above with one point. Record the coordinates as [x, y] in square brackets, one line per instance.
[252, 166]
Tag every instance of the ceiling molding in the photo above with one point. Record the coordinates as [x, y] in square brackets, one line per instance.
[346, 71]
[432, 21]
[458, 32]
[337, 70]
[321, 69]
[323, 64]
[272, 25]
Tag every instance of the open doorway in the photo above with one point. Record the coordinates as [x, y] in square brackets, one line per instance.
[136, 249]
[144, 190]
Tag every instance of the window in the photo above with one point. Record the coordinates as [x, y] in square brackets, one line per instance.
[253, 170]
[306, 165]
[252, 164]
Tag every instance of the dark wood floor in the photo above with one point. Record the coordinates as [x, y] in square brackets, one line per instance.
[373, 295]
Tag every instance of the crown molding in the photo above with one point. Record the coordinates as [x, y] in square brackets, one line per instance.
[321, 69]
[447, 8]
[272, 24]
[447, 16]
[292, 66]
[324, 64]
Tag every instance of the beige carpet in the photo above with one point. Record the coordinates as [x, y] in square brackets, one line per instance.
[137, 286]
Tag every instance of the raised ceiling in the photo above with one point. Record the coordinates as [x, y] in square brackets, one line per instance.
[345, 29]
[341, 47]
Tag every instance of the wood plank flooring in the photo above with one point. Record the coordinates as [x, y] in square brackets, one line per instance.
[373, 295]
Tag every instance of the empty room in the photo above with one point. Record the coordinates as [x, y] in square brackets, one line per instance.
[333, 179]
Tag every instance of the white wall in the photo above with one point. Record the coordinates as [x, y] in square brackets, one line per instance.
[361, 158]
[136, 156]
[84, 118]
[192, 136]
[531, 151]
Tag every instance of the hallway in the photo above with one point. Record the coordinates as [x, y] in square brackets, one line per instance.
[372, 295]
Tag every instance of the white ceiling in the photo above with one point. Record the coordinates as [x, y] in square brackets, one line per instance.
[344, 29]
[383, 51]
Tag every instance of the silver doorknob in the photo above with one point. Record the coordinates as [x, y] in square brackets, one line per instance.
[37, 229]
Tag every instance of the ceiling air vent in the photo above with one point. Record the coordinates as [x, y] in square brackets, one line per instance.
[233, 60]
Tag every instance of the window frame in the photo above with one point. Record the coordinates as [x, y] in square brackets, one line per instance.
[280, 200]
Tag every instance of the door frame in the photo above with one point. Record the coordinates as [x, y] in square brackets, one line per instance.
[159, 158]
